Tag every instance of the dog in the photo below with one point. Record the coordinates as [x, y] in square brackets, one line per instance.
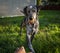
[20, 50]
[31, 22]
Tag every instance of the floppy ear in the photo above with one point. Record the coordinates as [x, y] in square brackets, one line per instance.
[22, 11]
[38, 7]
[25, 10]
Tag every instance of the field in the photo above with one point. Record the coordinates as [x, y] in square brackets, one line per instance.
[46, 41]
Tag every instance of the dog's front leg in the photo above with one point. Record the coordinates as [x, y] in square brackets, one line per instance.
[32, 36]
[22, 25]
[29, 41]
[34, 33]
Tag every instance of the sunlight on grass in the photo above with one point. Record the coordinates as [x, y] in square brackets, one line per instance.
[46, 41]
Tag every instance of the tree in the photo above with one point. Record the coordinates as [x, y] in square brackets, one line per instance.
[38, 2]
[42, 2]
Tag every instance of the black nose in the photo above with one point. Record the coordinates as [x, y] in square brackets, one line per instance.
[30, 18]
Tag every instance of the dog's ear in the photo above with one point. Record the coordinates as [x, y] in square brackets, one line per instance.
[38, 8]
[22, 11]
[25, 10]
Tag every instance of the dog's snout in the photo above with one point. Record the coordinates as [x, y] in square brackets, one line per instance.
[30, 18]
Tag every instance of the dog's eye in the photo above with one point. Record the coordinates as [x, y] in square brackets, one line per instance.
[28, 11]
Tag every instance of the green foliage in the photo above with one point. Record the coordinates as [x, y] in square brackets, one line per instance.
[38, 2]
[46, 41]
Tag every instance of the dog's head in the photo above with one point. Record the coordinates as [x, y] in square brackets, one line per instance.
[31, 12]
[30, 9]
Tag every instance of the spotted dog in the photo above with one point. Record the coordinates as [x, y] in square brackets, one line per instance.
[31, 22]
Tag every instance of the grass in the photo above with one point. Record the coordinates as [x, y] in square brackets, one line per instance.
[46, 41]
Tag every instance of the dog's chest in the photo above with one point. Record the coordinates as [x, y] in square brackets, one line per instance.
[32, 27]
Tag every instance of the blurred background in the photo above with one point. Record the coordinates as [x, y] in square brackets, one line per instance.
[49, 4]
[13, 7]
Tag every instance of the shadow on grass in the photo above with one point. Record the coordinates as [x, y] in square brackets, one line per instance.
[46, 41]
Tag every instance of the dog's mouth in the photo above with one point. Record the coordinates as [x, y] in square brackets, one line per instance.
[31, 21]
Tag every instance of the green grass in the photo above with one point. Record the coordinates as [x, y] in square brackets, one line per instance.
[46, 41]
